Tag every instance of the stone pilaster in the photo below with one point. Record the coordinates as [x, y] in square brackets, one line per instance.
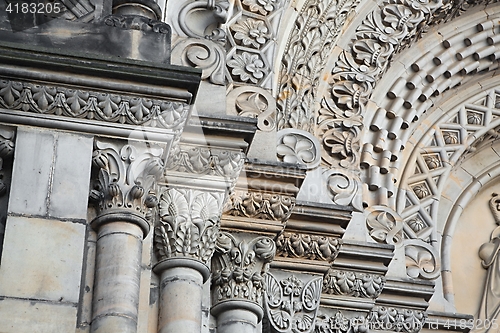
[238, 272]
[125, 175]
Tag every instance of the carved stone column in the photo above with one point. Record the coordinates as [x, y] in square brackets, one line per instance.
[237, 281]
[125, 175]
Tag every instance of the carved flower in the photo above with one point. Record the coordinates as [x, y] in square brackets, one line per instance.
[416, 224]
[432, 162]
[248, 66]
[474, 118]
[262, 6]
[401, 17]
[450, 138]
[372, 53]
[421, 191]
[251, 32]
[296, 149]
[292, 286]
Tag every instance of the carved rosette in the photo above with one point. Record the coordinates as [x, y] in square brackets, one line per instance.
[385, 225]
[125, 176]
[291, 304]
[353, 284]
[238, 268]
[312, 247]
[188, 224]
[261, 205]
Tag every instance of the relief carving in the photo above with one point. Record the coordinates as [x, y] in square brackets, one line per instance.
[188, 224]
[348, 283]
[422, 260]
[254, 102]
[215, 10]
[385, 225]
[78, 103]
[239, 267]
[312, 247]
[261, 205]
[125, 177]
[296, 146]
[291, 304]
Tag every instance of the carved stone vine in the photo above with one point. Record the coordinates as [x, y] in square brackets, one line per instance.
[347, 283]
[311, 247]
[291, 304]
[205, 161]
[103, 106]
[239, 266]
[384, 225]
[261, 205]
[188, 224]
[125, 177]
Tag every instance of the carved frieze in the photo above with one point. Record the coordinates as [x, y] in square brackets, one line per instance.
[261, 205]
[347, 283]
[125, 176]
[292, 304]
[297, 146]
[188, 224]
[312, 247]
[82, 103]
[205, 161]
[239, 266]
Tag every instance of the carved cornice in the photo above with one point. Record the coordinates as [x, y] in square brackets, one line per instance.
[312, 247]
[90, 104]
[124, 179]
[238, 267]
[348, 283]
[292, 304]
[188, 224]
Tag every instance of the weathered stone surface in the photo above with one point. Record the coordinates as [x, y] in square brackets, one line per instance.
[42, 259]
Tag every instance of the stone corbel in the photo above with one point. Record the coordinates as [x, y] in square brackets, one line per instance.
[239, 269]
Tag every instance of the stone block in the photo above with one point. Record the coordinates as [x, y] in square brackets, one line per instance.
[70, 185]
[31, 172]
[24, 316]
[42, 259]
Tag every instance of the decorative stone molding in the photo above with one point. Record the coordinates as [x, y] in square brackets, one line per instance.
[103, 106]
[215, 10]
[260, 205]
[134, 22]
[297, 146]
[7, 144]
[124, 181]
[307, 50]
[239, 266]
[203, 54]
[422, 260]
[339, 323]
[255, 102]
[200, 160]
[345, 188]
[292, 304]
[347, 283]
[312, 247]
[384, 225]
[188, 224]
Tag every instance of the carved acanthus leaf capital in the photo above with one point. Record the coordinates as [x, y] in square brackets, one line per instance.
[125, 176]
[188, 224]
[239, 267]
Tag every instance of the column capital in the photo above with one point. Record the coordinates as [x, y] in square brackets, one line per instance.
[125, 175]
[238, 268]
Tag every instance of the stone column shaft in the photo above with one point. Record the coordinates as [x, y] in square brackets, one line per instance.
[117, 278]
[238, 320]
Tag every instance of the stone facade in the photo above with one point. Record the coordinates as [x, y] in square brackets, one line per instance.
[250, 166]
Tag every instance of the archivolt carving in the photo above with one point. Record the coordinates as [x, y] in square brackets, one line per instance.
[79, 103]
[311, 247]
[291, 304]
[255, 102]
[203, 54]
[384, 225]
[348, 283]
[188, 225]
[422, 260]
[239, 267]
[296, 146]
